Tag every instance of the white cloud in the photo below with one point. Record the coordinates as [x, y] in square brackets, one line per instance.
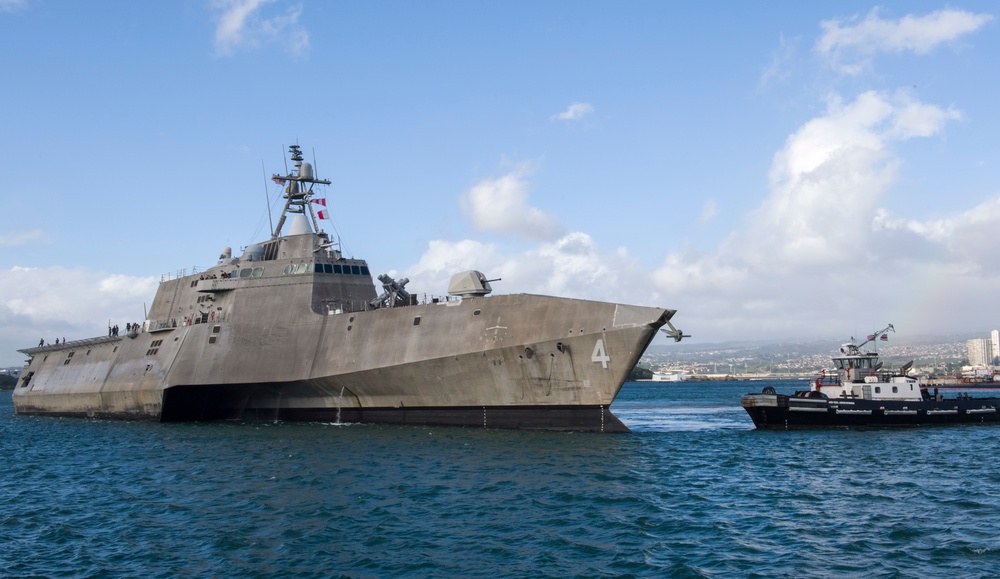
[850, 44]
[574, 112]
[241, 26]
[13, 5]
[778, 69]
[819, 254]
[66, 303]
[501, 206]
[16, 238]
[828, 179]
[571, 266]
[707, 212]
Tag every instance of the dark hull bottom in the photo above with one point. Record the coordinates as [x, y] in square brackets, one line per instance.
[570, 418]
[778, 412]
[559, 418]
[199, 403]
[186, 404]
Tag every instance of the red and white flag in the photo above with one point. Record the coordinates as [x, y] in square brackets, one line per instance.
[277, 180]
[885, 337]
[321, 214]
[320, 201]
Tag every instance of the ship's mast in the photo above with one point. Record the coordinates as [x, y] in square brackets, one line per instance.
[297, 195]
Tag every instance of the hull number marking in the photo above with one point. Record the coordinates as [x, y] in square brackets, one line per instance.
[599, 354]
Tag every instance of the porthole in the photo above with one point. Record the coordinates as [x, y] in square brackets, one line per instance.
[477, 312]
[416, 321]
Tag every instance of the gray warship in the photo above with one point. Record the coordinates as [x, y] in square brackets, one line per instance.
[293, 330]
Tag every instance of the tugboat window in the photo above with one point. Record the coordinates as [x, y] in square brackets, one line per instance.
[878, 389]
[895, 390]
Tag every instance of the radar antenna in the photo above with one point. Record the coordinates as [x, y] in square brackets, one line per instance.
[297, 194]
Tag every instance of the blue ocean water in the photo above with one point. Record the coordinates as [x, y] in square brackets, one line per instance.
[694, 491]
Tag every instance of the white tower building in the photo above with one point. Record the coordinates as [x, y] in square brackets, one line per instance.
[995, 338]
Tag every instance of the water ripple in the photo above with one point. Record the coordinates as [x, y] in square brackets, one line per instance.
[693, 492]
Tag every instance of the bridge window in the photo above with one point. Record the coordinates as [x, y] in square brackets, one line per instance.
[327, 268]
[337, 269]
[355, 270]
[258, 271]
[289, 269]
[318, 268]
[245, 272]
[364, 270]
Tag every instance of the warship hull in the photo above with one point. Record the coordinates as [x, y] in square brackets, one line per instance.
[294, 330]
[514, 361]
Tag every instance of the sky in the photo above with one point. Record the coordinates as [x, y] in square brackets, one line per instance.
[773, 171]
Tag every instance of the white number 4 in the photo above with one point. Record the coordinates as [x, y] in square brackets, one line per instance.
[600, 355]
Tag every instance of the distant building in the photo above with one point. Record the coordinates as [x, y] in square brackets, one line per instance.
[670, 376]
[984, 351]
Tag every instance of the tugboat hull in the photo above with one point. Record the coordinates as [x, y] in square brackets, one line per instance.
[781, 412]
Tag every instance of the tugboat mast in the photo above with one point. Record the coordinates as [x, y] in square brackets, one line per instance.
[297, 197]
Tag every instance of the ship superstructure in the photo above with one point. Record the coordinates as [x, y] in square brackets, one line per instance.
[294, 330]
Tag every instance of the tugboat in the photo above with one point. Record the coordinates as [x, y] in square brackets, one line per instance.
[861, 393]
[295, 330]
